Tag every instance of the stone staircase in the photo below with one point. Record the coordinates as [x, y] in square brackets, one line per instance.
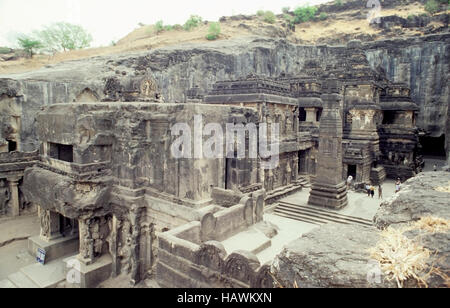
[37, 276]
[305, 181]
[315, 215]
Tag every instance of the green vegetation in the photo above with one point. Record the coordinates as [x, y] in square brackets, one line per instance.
[193, 22]
[213, 32]
[260, 13]
[5, 50]
[323, 16]
[338, 2]
[159, 26]
[269, 17]
[29, 44]
[63, 36]
[285, 10]
[304, 14]
[432, 6]
[289, 19]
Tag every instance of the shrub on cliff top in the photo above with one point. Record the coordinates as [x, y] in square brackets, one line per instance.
[304, 14]
[214, 31]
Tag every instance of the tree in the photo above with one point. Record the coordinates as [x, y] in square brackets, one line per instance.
[64, 36]
[29, 44]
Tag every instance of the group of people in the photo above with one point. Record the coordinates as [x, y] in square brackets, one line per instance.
[371, 189]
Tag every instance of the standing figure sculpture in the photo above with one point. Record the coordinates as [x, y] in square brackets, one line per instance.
[4, 197]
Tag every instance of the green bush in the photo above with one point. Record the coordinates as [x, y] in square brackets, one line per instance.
[304, 14]
[213, 32]
[269, 17]
[177, 27]
[193, 22]
[159, 26]
[323, 16]
[338, 2]
[285, 10]
[432, 6]
[260, 13]
[289, 19]
[168, 28]
[4, 50]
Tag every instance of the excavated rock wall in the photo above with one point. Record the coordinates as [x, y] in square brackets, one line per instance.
[168, 73]
[422, 63]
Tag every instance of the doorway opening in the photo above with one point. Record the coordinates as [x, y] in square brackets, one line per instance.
[433, 146]
[351, 171]
[12, 146]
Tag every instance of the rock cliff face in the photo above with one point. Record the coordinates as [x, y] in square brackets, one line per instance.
[168, 73]
[423, 64]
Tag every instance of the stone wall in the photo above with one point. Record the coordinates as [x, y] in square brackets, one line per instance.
[191, 256]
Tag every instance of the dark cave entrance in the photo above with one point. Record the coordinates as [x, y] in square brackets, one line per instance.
[12, 146]
[433, 146]
[61, 152]
[351, 171]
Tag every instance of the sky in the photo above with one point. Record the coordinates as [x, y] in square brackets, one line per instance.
[111, 20]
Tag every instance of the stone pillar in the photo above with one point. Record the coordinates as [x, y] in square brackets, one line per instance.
[50, 228]
[86, 254]
[310, 114]
[14, 197]
[329, 190]
[135, 216]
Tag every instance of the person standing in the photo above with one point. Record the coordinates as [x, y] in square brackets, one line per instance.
[372, 191]
[349, 182]
[434, 167]
[380, 192]
[368, 190]
[398, 185]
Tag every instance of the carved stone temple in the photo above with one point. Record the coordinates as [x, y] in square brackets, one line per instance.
[96, 161]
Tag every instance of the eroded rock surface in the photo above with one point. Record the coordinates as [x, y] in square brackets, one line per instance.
[338, 256]
[417, 198]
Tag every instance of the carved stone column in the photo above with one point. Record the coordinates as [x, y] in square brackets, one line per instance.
[50, 228]
[329, 190]
[135, 215]
[14, 197]
[86, 254]
[310, 114]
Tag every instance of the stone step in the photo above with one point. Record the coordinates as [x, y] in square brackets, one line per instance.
[7, 284]
[319, 215]
[300, 217]
[46, 276]
[20, 280]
